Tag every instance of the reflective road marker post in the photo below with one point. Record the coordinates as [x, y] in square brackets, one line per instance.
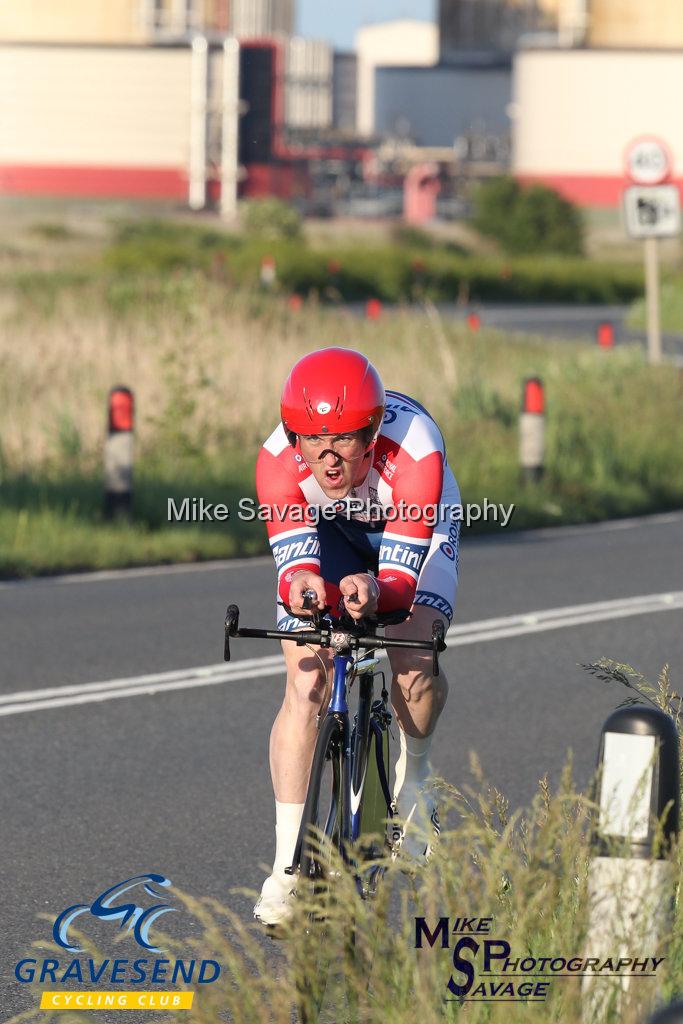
[268, 272]
[532, 430]
[631, 880]
[118, 455]
[605, 335]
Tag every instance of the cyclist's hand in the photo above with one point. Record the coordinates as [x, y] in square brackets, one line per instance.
[360, 592]
[302, 582]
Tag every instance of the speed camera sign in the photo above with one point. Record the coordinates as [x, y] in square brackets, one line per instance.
[647, 161]
[652, 211]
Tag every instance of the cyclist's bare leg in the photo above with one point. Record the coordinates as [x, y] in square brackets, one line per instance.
[292, 741]
[418, 698]
[293, 735]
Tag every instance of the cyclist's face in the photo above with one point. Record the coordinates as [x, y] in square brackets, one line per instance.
[336, 460]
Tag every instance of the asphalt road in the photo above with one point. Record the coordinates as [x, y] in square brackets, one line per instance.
[96, 791]
[571, 322]
[562, 322]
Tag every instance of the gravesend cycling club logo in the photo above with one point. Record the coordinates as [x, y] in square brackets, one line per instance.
[105, 908]
[487, 969]
[128, 909]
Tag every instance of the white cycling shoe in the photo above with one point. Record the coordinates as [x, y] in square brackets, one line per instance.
[415, 826]
[274, 905]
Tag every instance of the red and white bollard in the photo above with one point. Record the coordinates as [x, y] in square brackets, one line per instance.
[606, 335]
[268, 272]
[118, 455]
[532, 430]
[632, 875]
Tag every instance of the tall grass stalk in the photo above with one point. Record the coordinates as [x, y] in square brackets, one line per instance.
[526, 870]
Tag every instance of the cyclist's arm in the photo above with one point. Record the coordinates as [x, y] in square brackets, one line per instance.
[293, 541]
[406, 540]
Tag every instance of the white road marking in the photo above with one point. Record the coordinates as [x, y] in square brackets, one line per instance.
[483, 631]
[106, 575]
[607, 526]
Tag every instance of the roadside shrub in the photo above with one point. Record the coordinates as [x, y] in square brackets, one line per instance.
[271, 218]
[493, 201]
[412, 237]
[535, 219]
[161, 247]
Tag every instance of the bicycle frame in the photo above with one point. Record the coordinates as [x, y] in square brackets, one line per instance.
[353, 758]
[346, 639]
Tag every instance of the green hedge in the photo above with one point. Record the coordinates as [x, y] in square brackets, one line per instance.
[353, 273]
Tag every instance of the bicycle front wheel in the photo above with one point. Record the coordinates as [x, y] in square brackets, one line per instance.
[321, 823]
[321, 838]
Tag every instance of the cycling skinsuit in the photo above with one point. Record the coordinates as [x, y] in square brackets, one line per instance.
[398, 524]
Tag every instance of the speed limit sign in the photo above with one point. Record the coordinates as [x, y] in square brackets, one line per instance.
[647, 161]
[652, 209]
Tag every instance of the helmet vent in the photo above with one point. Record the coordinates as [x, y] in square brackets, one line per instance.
[339, 408]
[308, 405]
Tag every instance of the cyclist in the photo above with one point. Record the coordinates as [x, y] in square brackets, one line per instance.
[358, 493]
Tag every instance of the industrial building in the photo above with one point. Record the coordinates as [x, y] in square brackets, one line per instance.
[405, 43]
[575, 112]
[141, 21]
[167, 109]
[576, 108]
[433, 107]
[655, 24]
[192, 100]
[490, 25]
[167, 121]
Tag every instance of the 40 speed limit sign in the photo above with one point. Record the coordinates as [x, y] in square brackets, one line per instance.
[648, 161]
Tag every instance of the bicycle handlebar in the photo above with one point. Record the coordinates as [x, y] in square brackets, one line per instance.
[345, 637]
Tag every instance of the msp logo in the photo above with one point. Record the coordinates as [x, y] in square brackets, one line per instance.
[105, 908]
[485, 969]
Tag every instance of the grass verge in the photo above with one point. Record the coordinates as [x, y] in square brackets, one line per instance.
[671, 309]
[527, 872]
[206, 361]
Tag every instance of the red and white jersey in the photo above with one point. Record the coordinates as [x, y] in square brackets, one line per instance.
[406, 476]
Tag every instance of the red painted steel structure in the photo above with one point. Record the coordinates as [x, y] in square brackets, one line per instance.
[283, 172]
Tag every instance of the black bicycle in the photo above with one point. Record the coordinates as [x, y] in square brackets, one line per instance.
[347, 806]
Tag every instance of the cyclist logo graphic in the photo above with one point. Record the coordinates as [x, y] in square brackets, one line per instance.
[103, 907]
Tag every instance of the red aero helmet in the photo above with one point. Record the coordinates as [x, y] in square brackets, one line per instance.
[333, 391]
